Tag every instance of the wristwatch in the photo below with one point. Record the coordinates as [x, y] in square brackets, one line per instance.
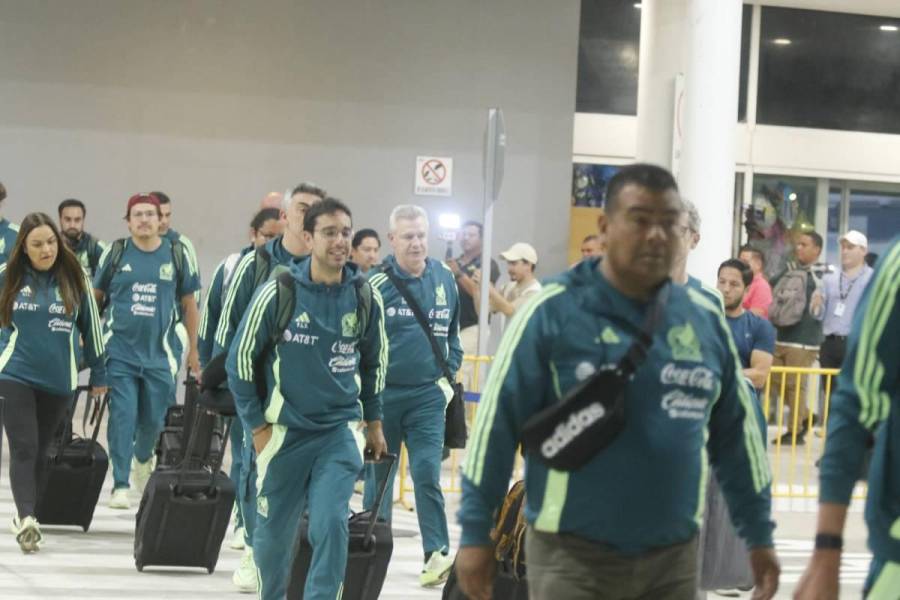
[827, 541]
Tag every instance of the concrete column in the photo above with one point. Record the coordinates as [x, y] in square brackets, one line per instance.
[701, 39]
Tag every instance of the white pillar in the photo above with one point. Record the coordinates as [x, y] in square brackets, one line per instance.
[701, 39]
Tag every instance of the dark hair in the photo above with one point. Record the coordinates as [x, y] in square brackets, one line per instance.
[476, 225]
[650, 177]
[590, 238]
[266, 214]
[328, 206]
[740, 266]
[756, 252]
[72, 203]
[309, 188]
[815, 237]
[163, 198]
[871, 259]
[2, 192]
[363, 234]
[69, 274]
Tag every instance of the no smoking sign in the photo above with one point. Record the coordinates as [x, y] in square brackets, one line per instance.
[434, 175]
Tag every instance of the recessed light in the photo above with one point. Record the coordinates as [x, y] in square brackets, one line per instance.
[889, 28]
[637, 5]
[792, 196]
[781, 42]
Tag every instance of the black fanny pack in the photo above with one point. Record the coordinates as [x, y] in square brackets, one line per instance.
[568, 434]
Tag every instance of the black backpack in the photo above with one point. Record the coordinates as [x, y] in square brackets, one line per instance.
[117, 250]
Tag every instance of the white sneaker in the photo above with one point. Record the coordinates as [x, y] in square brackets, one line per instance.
[237, 539]
[28, 534]
[436, 570]
[245, 576]
[119, 499]
[140, 474]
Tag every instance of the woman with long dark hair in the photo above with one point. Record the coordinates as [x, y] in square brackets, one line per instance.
[46, 306]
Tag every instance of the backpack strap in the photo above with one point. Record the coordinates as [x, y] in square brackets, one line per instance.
[363, 303]
[177, 265]
[262, 265]
[116, 250]
[285, 300]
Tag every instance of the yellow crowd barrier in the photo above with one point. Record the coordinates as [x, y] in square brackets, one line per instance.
[794, 465]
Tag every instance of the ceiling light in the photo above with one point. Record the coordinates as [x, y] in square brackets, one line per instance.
[637, 5]
[781, 42]
[792, 196]
[889, 28]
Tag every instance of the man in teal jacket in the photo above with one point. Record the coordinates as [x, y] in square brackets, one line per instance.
[8, 231]
[417, 392]
[251, 272]
[625, 524]
[145, 288]
[867, 400]
[326, 363]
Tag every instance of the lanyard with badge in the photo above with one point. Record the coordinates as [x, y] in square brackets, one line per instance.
[842, 305]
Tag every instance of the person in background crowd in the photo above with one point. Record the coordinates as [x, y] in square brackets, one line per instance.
[8, 231]
[521, 261]
[86, 247]
[366, 246]
[688, 237]
[871, 259]
[416, 392]
[759, 295]
[463, 268]
[797, 345]
[144, 284]
[46, 307]
[309, 456]
[272, 200]
[590, 246]
[867, 401]
[842, 292]
[753, 336]
[253, 270]
[624, 525]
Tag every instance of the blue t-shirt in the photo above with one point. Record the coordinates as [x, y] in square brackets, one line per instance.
[143, 298]
[751, 332]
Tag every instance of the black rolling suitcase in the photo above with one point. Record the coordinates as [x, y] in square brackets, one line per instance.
[75, 470]
[184, 512]
[371, 546]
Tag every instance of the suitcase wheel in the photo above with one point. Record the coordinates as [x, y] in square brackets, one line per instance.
[211, 569]
[140, 567]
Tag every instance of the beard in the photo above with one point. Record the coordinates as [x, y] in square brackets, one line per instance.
[734, 305]
[73, 236]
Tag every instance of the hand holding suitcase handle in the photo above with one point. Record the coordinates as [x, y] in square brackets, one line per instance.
[391, 460]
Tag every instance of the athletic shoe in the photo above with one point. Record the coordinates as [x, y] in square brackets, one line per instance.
[436, 570]
[237, 539]
[245, 576]
[140, 474]
[119, 499]
[729, 593]
[28, 534]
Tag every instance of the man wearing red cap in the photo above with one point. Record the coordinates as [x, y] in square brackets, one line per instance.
[145, 281]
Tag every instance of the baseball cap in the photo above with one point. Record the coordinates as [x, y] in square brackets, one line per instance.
[857, 238]
[520, 251]
[141, 199]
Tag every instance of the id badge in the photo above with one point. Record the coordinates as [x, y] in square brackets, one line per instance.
[839, 309]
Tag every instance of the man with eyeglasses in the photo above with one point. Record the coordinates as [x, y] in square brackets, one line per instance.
[688, 231]
[145, 277]
[416, 392]
[326, 372]
[253, 270]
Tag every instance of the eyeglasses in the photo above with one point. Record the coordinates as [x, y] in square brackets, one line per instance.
[332, 233]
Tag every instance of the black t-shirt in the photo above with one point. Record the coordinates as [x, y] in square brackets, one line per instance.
[467, 314]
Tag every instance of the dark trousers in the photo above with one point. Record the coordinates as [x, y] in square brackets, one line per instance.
[831, 356]
[566, 566]
[31, 419]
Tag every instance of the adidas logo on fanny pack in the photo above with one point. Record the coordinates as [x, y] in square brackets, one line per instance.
[568, 431]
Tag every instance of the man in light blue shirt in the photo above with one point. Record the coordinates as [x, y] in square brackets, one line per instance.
[842, 292]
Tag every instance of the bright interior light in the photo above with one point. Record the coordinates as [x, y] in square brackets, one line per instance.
[889, 28]
[637, 4]
[782, 41]
[792, 196]
[449, 221]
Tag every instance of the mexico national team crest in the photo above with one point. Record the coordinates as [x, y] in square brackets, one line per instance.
[440, 295]
[684, 343]
[166, 272]
[349, 325]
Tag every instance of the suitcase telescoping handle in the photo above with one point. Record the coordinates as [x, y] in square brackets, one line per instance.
[187, 460]
[391, 460]
[93, 413]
